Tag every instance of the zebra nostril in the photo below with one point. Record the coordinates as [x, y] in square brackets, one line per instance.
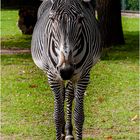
[57, 68]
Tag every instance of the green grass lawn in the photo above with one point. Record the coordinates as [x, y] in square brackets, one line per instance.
[111, 100]
[11, 37]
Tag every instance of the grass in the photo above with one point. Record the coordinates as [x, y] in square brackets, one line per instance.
[11, 37]
[111, 100]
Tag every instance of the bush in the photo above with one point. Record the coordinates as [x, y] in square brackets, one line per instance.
[132, 5]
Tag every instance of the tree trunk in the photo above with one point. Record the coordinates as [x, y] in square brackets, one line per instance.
[28, 15]
[27, 19]
[109, 17]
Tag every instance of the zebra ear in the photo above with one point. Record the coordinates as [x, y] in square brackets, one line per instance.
[86, 0]
[52, 1]
[52, 16]
[89, 3]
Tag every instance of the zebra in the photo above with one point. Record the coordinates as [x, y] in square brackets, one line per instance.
[65, 45]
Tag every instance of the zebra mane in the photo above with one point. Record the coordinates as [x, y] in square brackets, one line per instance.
[82, 0]
[53, 5]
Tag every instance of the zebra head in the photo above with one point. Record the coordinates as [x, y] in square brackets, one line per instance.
[66, 29]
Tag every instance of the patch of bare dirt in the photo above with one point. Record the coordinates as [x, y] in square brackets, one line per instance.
[91, 133]
[14, 51]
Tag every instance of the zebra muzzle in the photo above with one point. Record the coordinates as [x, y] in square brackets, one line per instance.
[64, 67]
[61, 60]
[66, 72]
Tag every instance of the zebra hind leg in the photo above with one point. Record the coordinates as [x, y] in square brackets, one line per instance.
[69, 99]
[69, 135]
[63, 127]
[63, 133]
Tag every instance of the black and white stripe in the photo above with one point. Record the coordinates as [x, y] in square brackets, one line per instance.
[66, 44]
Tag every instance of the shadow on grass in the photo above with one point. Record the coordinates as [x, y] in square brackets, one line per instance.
[129, 51]
[16, 42]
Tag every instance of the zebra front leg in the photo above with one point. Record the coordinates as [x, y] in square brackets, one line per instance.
[69, 99]
[59, 118]
[58, 89]
[79, 106]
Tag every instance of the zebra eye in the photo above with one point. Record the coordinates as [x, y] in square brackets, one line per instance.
[80, 17]
[54, 45]
[52, 17]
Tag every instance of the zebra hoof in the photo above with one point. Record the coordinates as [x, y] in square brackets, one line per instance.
[62, 137]
[69, 137]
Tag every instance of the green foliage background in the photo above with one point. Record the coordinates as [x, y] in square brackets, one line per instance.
[132, 5]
